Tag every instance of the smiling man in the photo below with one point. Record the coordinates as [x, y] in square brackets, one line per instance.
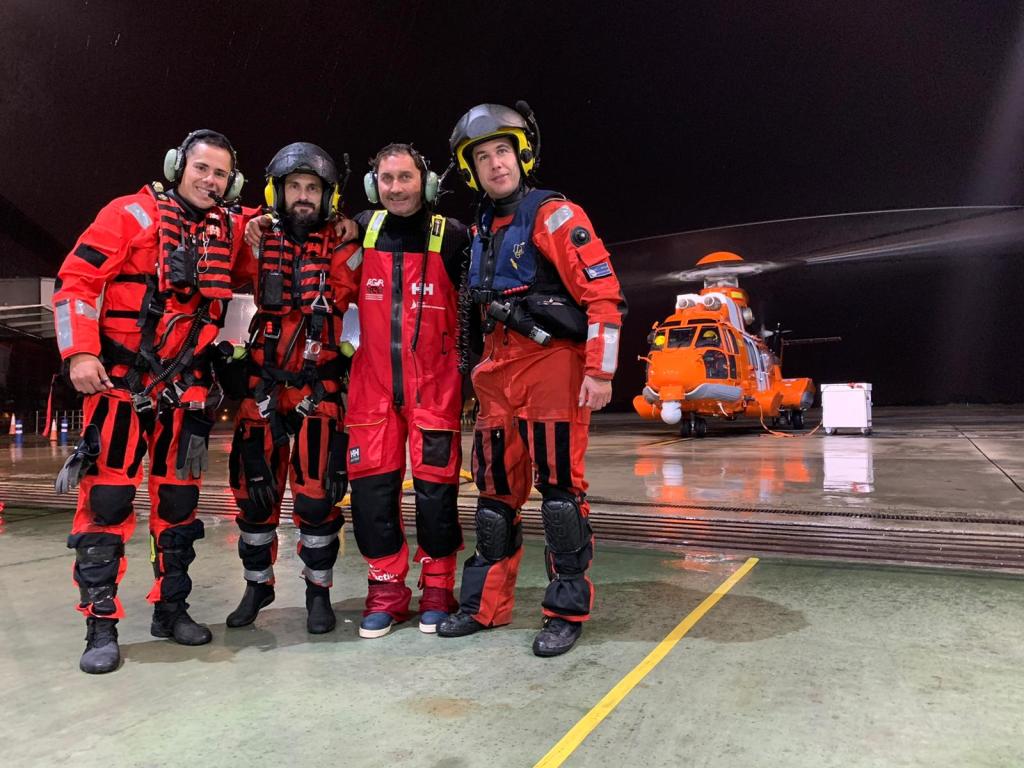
[406, 389]
[550, 307]
[162, 260]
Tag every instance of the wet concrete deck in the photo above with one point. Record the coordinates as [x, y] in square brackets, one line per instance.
[802, 663]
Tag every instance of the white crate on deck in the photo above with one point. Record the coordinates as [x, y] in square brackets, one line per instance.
[846, 406]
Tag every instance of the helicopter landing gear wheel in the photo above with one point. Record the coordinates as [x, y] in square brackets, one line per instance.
[830, 430]
[865, 431]
[796, 419]
[700, 427]
[686, 427]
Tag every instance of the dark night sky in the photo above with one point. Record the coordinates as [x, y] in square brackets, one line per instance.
[657, 117]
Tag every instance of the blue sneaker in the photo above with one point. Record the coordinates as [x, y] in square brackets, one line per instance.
[375, 624]
[430, 619]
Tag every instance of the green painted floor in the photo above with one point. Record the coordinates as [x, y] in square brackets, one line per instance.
[799, 665]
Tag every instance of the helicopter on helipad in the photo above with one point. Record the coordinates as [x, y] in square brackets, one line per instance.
[703, 362]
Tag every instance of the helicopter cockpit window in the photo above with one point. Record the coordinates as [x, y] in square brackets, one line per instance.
[680, 337]
[708, 337]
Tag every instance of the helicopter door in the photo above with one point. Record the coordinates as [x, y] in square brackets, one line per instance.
[757, 365]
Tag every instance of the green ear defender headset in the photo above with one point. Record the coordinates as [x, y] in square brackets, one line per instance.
[431, 182]
[174, 162]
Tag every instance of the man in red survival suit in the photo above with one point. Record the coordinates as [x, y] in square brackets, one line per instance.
[162, 261]
[405, 386]
[289, 423]
[550, 307]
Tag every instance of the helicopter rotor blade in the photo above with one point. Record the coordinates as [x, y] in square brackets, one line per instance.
[822, 240]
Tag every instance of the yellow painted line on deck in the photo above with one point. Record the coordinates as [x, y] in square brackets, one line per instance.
[561, 751]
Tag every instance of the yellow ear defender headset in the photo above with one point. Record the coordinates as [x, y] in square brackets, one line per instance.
[491, 121]
[303, 157]
[431, 182]
[174, 162]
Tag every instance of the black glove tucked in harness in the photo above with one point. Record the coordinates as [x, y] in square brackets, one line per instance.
[79, 462]
[259, 480]
[193, 451]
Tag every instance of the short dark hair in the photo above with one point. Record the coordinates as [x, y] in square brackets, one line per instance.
[398, 148]
[210, 138]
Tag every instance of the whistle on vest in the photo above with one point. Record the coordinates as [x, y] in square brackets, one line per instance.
[512, 316]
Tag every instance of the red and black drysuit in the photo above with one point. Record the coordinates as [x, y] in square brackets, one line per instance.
[289, 423]
[540, 260]
[164, 272]
[406, 386]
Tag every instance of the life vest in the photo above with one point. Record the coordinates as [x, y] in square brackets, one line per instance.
[507, 262]
[304, 265]
[299, 273]
[209, 239]
[168, 352]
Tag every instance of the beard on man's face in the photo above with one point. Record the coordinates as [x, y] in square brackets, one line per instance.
[302, 218]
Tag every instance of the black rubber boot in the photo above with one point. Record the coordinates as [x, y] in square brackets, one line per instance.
[172, 620]
[557, 637]
[458, 625]
[257, 595]
[320, 615]
[102, 653]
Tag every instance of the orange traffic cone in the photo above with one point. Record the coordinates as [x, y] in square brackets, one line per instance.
[14, 425]
[53, 431]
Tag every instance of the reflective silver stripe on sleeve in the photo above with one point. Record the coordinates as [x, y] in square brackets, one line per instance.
[355, 260]
[558, 218]
[140, 214]
[316, 542]
[258, 539]
[592, 330]
[611, 349]
[261, 577]
[86, 310]
[322, 578]
[65, 336]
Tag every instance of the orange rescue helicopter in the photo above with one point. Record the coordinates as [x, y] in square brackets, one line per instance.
[703, 362]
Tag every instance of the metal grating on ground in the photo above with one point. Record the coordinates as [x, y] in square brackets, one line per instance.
[991, 543]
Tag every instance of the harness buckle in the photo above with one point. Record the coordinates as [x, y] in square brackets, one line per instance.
[272, 330]
[312, 350]
[264, 406]
[142, 403]
[305, 407]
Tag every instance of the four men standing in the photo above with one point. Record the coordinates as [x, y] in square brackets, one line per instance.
[540, 288]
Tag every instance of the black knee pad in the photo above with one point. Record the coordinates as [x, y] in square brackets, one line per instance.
[376, 509]
[253, 512]
[566, 530]
[437, 518]
[176, 502]
[310, 510]
[111, 504]
[497, 536]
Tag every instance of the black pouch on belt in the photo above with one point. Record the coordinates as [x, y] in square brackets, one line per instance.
[558, 315]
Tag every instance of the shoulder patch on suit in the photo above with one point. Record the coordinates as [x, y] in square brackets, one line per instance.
[139, 213]
[561, 215]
